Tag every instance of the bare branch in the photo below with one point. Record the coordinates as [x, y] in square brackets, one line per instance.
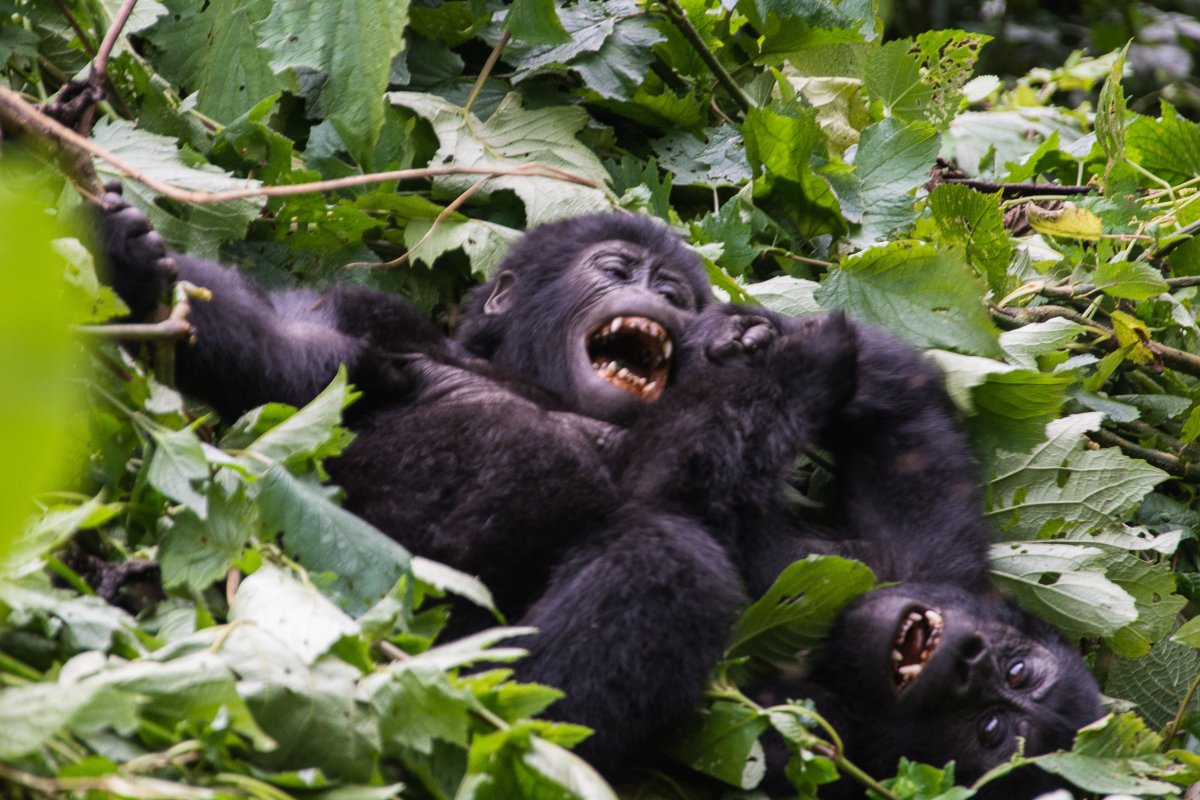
[100, 63]
[447, 211]
[15, 111]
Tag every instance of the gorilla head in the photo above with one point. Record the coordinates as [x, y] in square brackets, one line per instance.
[589, 308]
[934, 671]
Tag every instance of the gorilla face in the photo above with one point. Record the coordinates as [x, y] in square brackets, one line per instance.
[621, 334]
[936, 673]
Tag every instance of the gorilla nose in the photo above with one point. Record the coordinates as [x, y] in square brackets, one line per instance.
[973, 669]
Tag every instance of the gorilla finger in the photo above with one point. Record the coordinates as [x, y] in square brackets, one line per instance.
[152, 244]
[758, 337]
[168, 268]
[721, 351]
[132, 221]
[113, 201]
[113, 187]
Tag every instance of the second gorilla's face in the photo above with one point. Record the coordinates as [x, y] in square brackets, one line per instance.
[935, 673]
[626, 311]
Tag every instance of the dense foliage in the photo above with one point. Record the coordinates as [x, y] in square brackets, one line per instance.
[1043, 254]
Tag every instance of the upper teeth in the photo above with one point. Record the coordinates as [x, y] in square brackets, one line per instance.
[907, 673]
[651, 355]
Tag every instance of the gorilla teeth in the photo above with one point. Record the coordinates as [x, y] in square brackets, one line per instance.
[633, 354]
[918, 637]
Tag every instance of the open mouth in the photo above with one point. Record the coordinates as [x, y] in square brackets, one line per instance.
[917, 638]
[633, 354]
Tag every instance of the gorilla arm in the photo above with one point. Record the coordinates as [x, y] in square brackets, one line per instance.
[252, 347]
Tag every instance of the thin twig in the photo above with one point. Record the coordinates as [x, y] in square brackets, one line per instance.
[1021, 188]
[1173, 727]
[391, 651]
[447, 211]
[680, 19]
[138, 332]
[1181, 283]
[488, 65]
[87, 43]
[100, 63]
[14, 110]
[1164, 461]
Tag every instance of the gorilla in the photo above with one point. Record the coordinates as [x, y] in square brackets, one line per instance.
[605, 447]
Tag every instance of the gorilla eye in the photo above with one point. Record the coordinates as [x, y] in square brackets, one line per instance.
[991, 732]
[615, 268]
[1016, 674]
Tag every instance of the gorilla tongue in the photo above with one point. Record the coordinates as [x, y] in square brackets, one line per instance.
[631, 353]
[917, 637]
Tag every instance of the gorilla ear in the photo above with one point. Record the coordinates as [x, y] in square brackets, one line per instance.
[502, 295]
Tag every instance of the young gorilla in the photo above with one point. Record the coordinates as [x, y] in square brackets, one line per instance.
[604, 448]
[518, 452]
[940, 666]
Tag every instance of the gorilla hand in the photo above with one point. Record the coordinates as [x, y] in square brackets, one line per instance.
[140, 268]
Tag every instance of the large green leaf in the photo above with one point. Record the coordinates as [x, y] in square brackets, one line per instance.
[353, 42]
[325, 538]
[973, 221]
[609, 48]
[723, 742]
[1061, 487]
[204, 228]
[926, 297]
[1064, 583]
[229, 75]
[513, 137]
[799, 608]
[893, 159]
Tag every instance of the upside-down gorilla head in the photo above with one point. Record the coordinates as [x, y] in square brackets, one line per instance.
[600, 302]
[934, 672]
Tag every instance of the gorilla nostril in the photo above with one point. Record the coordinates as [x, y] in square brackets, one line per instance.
[972, 649]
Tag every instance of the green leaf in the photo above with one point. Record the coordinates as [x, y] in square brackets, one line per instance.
[1010, 406]
[32, 714]
[194, 688]
[973, 221]
[417, 704]
[1156, 682]
[1111, 114]
[1023, 346]
[177, 465]
[203, 228]
[197, 551]
[780, 139]
[1113, 756]
[513, 137]
[799, 608]
[295, 612]
[926, 297]
[229, 74]
[1168, 148]
[608, 47]
[312, 432]
[795, 297]
[893, 159]
[893, 77]
[723, 742]
[1129, 280]
[718, 159]
[1152, 586]
[1065, 584]
[536, 21]
[1061, 486]
[325, 538]
[448, 579]
[353, 42]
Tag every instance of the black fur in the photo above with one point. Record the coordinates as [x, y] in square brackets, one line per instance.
[627, 531]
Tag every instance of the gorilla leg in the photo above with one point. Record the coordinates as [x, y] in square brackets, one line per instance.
[629, 627]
